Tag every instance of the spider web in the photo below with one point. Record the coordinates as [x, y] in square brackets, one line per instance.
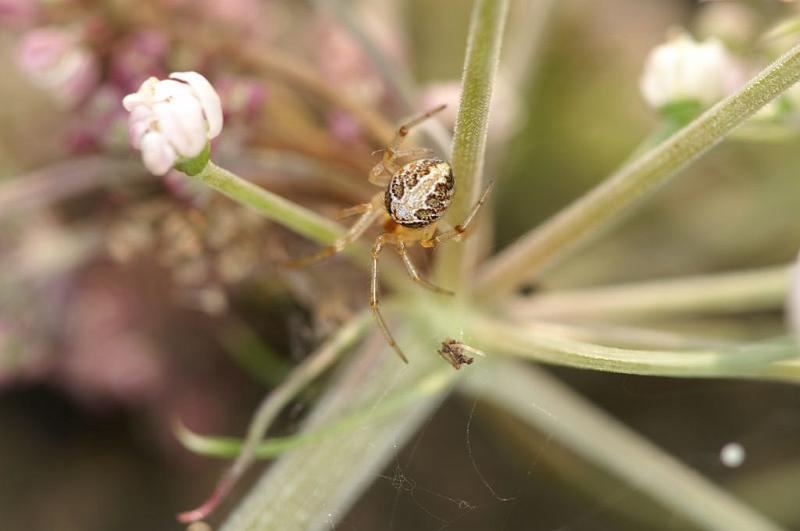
[451, 475]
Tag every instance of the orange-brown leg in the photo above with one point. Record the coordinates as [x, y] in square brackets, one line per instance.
[369, 213]
[414, 274]
[402, 132]
[462, 227]
[382, 172]
[374, 302]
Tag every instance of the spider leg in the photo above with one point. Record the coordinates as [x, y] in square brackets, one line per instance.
[406, 127]
[353, 211]
[381, 173]
[413, 153]
[374, 303]
[462, 227]
[412, 271]
[369, 213]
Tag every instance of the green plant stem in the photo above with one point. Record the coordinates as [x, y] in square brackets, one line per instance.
[758, 360]
[601, 207]
[255, 357]
[726, 293]
[455, 263]
[272, 206]
[292, 216]
[545, 404]
[274, 403]
[229, 447]
[312, 486]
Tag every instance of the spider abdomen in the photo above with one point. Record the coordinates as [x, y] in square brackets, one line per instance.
[420, 192]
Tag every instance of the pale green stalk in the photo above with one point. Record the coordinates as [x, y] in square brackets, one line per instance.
[270, 205]
[527, 258]
[552, 408]
[726, 293]
[312, 486]
[291, 215]
[757, 360]
[274, 403]
[453, 262]
[228, 447]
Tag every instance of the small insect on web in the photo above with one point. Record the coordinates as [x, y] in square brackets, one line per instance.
[454, 352]
[418, 190]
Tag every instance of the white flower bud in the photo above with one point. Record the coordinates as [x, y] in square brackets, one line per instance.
[173, 119]
[793, 300]
[683, 69]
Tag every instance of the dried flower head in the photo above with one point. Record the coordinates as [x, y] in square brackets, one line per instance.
[173, 119]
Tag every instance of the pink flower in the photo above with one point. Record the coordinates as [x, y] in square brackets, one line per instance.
[56, 61]
[173, 119]
[17, 13]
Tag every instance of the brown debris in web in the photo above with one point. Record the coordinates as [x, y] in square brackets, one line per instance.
[454, 352]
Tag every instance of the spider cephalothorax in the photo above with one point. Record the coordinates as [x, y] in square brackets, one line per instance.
[418, 191]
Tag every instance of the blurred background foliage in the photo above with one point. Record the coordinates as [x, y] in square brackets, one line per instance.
[105, 355]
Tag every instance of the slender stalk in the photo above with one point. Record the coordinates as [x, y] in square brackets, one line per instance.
[469, 139]
[272, 405]
[620, 193]
[312, 486]
[254, 356]
[548, 406]
[272, 206]
[229, 447]
[741, 291]
[290, 215]
[756, 360]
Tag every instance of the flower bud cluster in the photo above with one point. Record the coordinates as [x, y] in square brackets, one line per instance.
[172, 120]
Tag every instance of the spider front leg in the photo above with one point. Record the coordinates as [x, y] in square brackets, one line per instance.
[394, 151]
[382, 172]
[462, 227]
[413, 153]
[374, 303]
[369, 213]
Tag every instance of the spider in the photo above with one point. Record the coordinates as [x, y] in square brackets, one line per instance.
[418, 191]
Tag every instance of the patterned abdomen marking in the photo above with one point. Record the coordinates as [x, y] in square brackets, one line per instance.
[420, 192]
